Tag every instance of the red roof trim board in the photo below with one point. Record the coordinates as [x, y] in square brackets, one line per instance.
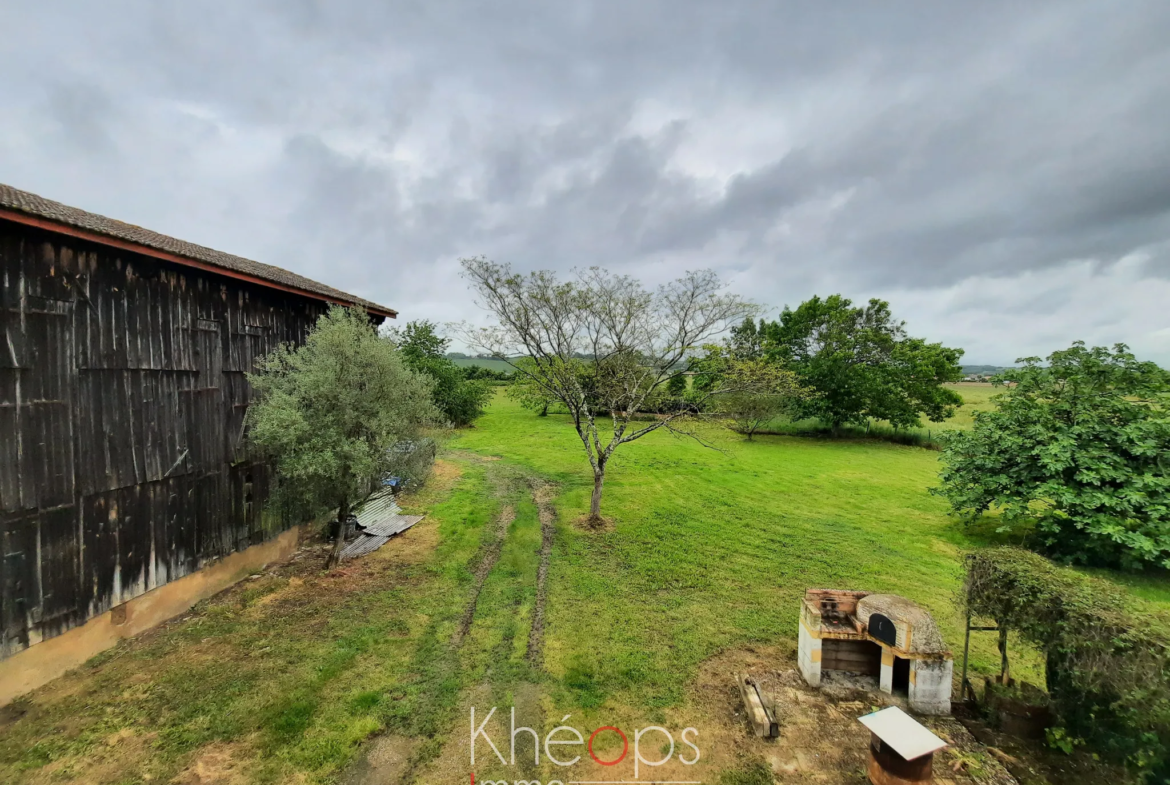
[31, 210]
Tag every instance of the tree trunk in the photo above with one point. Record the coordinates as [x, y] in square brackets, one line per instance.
[342, 531]
[1005, 673]
[595, 501]
[544, 411]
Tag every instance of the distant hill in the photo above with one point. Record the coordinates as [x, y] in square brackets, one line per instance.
[983, 370]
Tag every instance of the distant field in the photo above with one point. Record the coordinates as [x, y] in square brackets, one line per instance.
[494, 365]
[976, 398]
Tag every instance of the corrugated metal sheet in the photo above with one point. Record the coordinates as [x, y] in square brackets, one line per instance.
[380, 519]
[394, 525]
[378, 508]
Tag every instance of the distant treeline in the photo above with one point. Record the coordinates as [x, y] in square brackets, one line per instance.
[485, 368]
[983, 370]
[502, 368]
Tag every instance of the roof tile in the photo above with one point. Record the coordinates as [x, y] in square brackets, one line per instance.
[31, 204]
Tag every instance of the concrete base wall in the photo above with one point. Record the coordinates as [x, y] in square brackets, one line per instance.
[886, 676]
[809, 657]
[38, 665]
[930, 686]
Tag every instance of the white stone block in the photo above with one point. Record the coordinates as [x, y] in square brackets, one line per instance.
[809, 657]
[930, 686]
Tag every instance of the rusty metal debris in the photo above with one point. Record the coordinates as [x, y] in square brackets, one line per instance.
[378, 519]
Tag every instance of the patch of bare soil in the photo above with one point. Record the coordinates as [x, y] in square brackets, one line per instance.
[385, 760]
[594, 525]
[543, 494]
[216, 764]
[820, 739]
[443, 475]
[489, 555]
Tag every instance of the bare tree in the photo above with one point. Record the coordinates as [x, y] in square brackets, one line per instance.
[602, 344]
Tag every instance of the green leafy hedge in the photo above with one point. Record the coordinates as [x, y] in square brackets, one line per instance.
[1107, 654]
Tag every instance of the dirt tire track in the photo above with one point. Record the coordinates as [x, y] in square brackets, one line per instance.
[491, 554]
[543, 494]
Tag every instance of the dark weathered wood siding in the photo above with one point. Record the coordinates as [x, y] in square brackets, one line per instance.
[122, 401]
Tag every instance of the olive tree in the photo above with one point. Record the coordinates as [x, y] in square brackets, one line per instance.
[328, 413]
[601, 344]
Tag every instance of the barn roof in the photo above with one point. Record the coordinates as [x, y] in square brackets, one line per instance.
[28, 208]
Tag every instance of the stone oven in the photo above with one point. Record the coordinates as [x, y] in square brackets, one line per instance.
[883, 636]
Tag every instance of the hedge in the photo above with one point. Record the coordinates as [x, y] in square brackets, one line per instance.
[1107, 654]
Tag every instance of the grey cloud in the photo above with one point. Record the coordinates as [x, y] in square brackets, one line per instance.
[894, 147]
[81, 114]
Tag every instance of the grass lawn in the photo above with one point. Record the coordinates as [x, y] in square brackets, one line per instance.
[281, 678]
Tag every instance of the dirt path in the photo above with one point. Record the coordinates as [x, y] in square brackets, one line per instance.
[490, 554]
[393, 758]
[542, 493]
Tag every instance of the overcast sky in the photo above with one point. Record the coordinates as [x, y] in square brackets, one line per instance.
[1000, 172]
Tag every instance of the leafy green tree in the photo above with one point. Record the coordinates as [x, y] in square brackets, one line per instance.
[862, 364]
[460, 399]
[913, 378]
[1075, 455]
[327, 413]
[677, 386]
[747, 338]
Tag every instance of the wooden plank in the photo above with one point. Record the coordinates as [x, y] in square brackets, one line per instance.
[764, 724]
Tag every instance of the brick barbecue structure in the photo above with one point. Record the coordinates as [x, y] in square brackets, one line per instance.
[879, 635]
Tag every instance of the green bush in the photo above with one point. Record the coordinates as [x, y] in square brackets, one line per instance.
[1107, 655]
[460, 396]
[1076, 454]
[478, 373]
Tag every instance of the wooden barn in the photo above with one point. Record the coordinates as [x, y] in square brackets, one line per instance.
[122, 401]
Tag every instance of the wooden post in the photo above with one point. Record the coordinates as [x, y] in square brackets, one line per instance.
[966, 653]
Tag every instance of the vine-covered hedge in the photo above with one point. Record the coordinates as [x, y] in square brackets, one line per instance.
[1107, 654]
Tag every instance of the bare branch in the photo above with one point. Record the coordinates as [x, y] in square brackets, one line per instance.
[601, 344]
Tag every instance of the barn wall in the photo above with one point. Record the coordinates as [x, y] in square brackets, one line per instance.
[122, 401]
